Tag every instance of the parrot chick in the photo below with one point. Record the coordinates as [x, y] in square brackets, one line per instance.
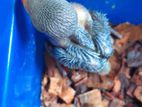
[74, 45]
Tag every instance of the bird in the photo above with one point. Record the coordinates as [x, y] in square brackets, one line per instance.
[80, 38]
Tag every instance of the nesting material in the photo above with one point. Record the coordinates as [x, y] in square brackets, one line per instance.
[117, 86]
[138, 93]
[67, 94]
[122, 87]
[91, 99]
[55, 86]
[61, 105]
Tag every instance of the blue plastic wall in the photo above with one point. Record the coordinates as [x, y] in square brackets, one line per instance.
[21, 58]
[118, 10]
[22, 47]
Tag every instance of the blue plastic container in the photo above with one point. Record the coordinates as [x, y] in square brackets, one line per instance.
[22, 47]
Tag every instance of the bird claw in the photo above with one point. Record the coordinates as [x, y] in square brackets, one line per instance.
[91, 52]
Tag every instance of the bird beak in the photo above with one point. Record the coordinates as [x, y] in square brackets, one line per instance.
[25, 5]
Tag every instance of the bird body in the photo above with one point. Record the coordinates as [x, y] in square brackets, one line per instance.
[67, 25]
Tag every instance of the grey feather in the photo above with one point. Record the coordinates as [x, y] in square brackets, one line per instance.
[77, 57]
[83, 38]
[55, 17]
[101, 34]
